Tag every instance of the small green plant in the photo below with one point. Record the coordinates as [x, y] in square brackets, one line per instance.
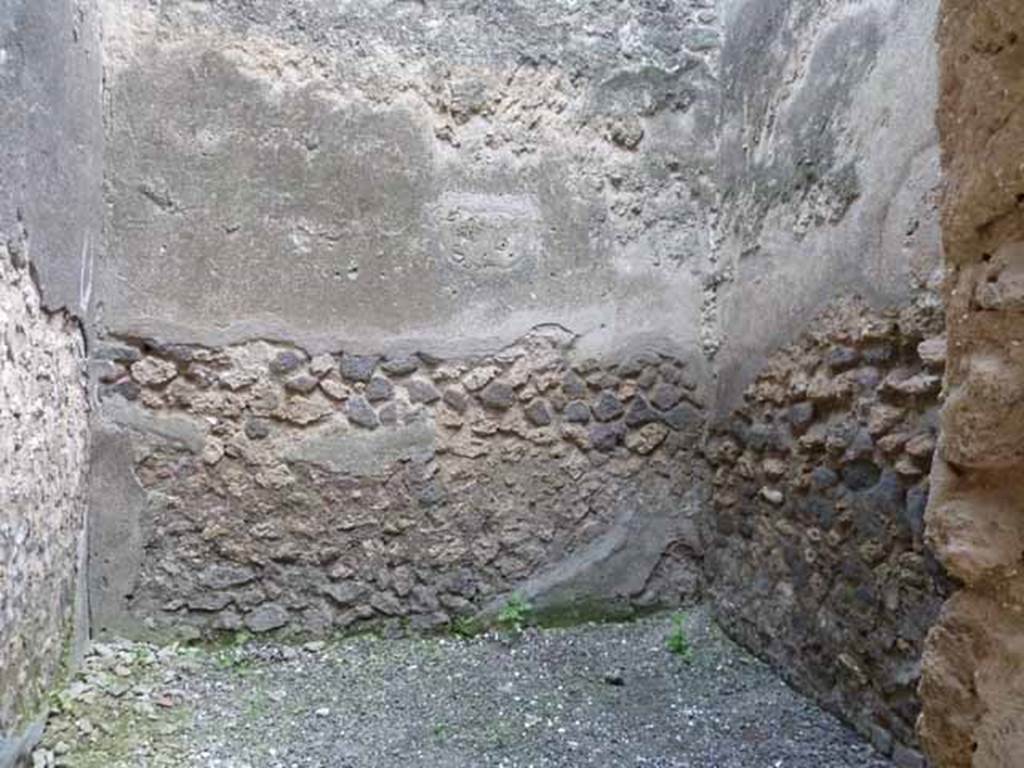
[515, 613]
[466, 626]
[677, 641]
[232, 654]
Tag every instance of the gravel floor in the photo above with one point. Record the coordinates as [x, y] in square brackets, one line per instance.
[609, 695]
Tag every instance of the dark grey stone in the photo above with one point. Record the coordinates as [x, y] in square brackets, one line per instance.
[127, 389]
[881, 740]
[823, 477]
[840, 436]
[577, 412]
[287, 360]
[267, 618]
[178, 353]
[538, 413]
[226, 576]
[208, 602]
[862, 447]
[456, 399]
[345, 593]
[701, 38]
[422, 391]
[302, 383]
[107, 372]
[386, 603]
[640, 412]
[867, 377]
[431, 493]
[607, 407]
[648, 378]
[358, 367]
[860, 475]
[913, 510]
[121, 353]
[573, 386]
[424, 599]
[361, 413]
[670, 373]
[603, 380]
[821, 511]
[257, 429]
[462, 582]
[400, 366]
[379, 389]
[637, 364]
[800, 416]
[842, 358]
[389, 415]
[905, 757]
[665, 396]
[683, 418]
[879, 505]
[739, 427]
[766, 437]
[498, 395]
[605, 436]
[878, 353]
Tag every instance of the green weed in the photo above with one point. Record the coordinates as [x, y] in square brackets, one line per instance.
[677, 641]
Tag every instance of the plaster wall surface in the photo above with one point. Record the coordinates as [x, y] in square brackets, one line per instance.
[828, 169]
[402, 176]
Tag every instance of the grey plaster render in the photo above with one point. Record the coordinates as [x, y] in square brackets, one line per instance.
[828, 167]
[447, 183]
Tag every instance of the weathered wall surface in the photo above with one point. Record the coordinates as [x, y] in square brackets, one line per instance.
[51, 156]
[828, 168]
[409, 305]
[433, 182]
[50, 220]
[438, 176]
[973, 682]
[43, 455]
[816, 553]
[828, 240]
[309, 495]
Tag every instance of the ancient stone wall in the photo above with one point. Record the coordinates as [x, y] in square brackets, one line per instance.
[480, 189]
[407, 306]
[319, 494]
[816, 554]
[410, 306]
[50, 220]
[819, 448]
[43, 456]
[973, 681]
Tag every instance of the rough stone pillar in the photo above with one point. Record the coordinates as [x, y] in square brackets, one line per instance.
[973, 678]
